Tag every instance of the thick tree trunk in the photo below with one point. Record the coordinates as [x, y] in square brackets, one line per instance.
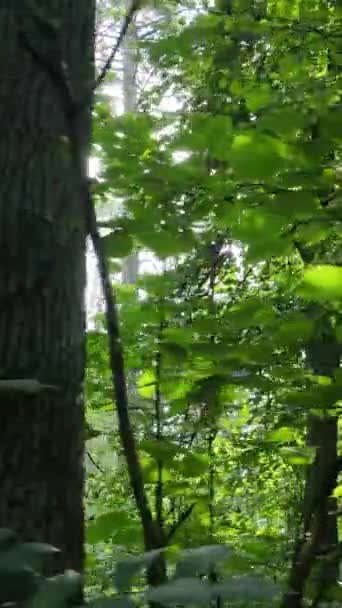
[42, 274]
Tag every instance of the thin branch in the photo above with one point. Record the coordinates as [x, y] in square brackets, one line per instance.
[124, 28]
[119, 382]
[159, 430]
[96, 464]
[182, 518]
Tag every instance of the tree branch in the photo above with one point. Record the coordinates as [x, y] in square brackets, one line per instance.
[54, 65]
[119, 383]
[93, 462]
[182, 518]
[124, 28]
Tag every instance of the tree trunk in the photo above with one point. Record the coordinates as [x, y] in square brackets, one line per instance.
[42, 273]
[320, 535]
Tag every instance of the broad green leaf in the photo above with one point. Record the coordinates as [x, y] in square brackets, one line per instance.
[160, 448]
[334, 593]
[258, 96]
[313, 233]
[183, 336]
[126, 570]
[147, 384]
[29, 386]
[262, 232]
[299, 456]
[257, 157]
[118, 244]
[258, 548]
[105, 525]
[181, 591]
[294, 204]
[297, 328]
[331, 124]
[282, 435]
[246, 589]
[339, 332]
[193, 464]
[176, 388]
[166, 244]
[115, 601]
[22, 555]
[201, 561]
[207, 133]
[59, 591]
[337, 493]
[152, 473]
[322, 282]
[252, 311]
[283, 121]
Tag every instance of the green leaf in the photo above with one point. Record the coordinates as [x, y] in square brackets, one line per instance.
[160, 449]
[115, 601]
[297, 328]
[339, 333]
[181, 591]
[334, 593]
[118, 244]
[284, 434]
[23, 555]
[166, 244]
[29, 386]
[125, 570]
[182, 336]
[258, 96]
[283, 121]
[193, 465]
[323, 282]
[261, 231]
[298, 456]
[104, 526]
[146, 384]
[313, 233]
[257, 157]
[258, 548]
[59, 591]
[201, 560]
[294, 204]
[246, 589]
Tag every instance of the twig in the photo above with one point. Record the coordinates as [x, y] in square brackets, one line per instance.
[57, 69]
[119, 382]
[127, 22]
[96, 464]
[182, 518]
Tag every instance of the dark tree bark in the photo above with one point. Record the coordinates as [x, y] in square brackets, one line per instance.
[42, 272]
[320, 535]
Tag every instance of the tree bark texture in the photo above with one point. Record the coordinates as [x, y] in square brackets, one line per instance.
[320, 534]
[42, 273]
